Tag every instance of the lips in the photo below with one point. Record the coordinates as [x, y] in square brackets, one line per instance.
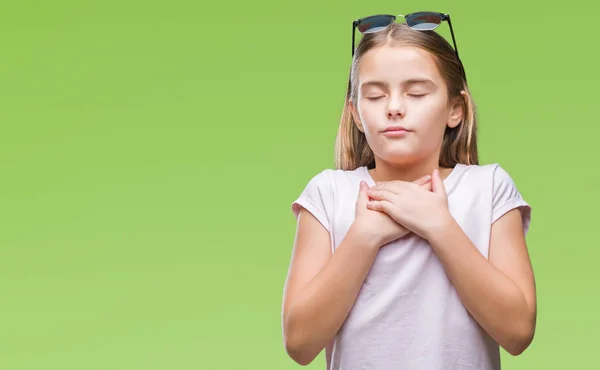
[395, 132]
[395, 128]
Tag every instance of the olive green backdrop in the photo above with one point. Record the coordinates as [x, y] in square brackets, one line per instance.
[150, 152]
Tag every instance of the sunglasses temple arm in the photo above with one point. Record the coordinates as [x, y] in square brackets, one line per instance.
[455, 48]
[452, 33]
[353, 33]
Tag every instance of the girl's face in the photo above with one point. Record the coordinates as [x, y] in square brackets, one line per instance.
[403, 106]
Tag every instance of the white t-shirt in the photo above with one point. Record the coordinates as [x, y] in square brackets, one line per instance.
[407, 314]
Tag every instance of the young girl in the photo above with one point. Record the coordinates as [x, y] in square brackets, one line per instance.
[409, 255]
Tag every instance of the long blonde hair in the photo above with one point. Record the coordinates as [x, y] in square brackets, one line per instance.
[459, 144]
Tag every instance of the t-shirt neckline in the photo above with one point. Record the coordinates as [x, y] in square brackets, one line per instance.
[449, 181]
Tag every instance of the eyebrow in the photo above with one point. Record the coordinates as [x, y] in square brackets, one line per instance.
[412, 81]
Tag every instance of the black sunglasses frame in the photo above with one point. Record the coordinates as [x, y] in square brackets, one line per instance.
[393, 18]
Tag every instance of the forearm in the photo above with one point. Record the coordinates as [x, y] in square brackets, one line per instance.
[493, 299]
[319, 310]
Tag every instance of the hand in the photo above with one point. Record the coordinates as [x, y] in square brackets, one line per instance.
[417, 209]
[378, 227]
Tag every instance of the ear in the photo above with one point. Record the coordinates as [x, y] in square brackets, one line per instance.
[355, 116]
[457, 110]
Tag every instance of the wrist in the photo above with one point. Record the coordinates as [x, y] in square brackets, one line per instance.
[362, 237]
[440, 228]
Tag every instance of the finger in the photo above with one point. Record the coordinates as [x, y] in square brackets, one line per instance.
[399, 187]
[380, 205]
[423, 180]
[362, 193]
[380, 195]
[427, 186]
[437, 183]
[391, 186]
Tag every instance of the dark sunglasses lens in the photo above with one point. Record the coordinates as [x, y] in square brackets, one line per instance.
[375, 23]
[424, 20]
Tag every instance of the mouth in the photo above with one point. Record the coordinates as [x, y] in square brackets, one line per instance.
[396, 131]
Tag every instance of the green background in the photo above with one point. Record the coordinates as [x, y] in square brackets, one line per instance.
[150, 152]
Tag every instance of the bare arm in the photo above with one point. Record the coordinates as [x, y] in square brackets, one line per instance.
[321, 288]
[499, 292]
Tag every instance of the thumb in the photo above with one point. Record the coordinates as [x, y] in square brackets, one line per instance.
[437, 184]
[362, 192]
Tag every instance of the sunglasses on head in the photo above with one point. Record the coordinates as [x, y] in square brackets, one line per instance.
[421, 21]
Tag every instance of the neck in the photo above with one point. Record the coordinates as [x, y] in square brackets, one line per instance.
[385, 171]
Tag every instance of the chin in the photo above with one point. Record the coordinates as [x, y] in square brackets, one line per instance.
[399, 158]
[397, 152]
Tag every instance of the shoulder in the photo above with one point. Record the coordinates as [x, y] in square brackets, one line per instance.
[316, 190]
[329, 179]
[501, 182]
[478, 169]
[320, 180]
[321, 189]
[505, 194]
[493, 174]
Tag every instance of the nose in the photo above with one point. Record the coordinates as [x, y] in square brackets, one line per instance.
[395, 109]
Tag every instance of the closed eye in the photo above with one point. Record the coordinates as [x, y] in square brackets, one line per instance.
[416, 95]
[374, 97]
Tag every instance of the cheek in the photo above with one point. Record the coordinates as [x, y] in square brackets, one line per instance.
[370, 117]
[431, 118]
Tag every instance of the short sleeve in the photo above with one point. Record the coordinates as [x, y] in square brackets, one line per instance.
[316, 198]
[507, 197]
